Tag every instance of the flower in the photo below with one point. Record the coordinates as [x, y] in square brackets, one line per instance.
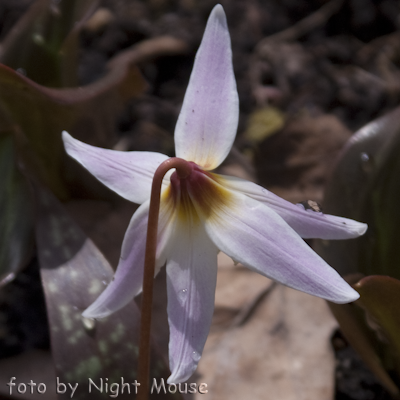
[207, 212]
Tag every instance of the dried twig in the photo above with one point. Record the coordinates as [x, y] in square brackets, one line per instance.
[304, 26]
[245, 313]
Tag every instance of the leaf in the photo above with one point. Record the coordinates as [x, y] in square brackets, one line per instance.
[354, 327]
[380, 296]
[16, 213]
[44, 42]
[379, 299]
[262, 123]
[74, 273]
[88, 113]
[364, 186]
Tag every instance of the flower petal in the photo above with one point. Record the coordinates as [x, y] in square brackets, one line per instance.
[128, 278]
[207, 123]
[191, 281]
[128, 173]
[307, 223]
[253, 234]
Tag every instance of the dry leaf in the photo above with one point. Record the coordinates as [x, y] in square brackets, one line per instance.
[281, 351]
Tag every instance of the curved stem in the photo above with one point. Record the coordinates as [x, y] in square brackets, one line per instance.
[183, 169]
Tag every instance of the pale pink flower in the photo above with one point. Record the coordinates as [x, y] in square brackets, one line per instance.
[206, 212]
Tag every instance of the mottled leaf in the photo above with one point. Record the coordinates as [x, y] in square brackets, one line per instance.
[74, 273]
[16, 213]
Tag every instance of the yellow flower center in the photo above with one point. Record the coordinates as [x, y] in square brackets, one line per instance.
[198, 196]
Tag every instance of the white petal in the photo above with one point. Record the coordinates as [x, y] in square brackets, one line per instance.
[253, 234]
[128, 278]
[191, 281]
[128, 173]
[208, 121]
[307, 223]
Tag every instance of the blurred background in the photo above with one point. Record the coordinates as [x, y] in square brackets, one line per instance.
[113, 73]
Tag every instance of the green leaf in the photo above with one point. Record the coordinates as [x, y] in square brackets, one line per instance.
[16, 213]
[364, 186]
[87, 113]
[354, 327]
[42, 113]
[380, 297]
[44, 42]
